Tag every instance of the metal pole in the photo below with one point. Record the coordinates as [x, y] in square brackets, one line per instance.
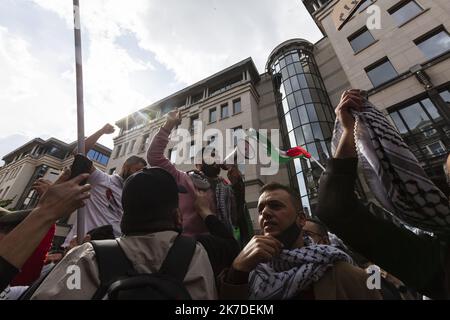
[80, 106]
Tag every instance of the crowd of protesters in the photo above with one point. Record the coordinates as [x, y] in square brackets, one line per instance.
[192, 232]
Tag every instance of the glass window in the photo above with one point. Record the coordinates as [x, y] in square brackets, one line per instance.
[446, 96]
[310, 80]
[295, 57]
[317, 131]
[298, 97]
[414, 116]
[398, 123]
[287, 86]
[381, 72]
[437, 148]
[291, 101]
[311, 148]
[361, 40]
[302, 81]
[291, 70]
[288, 59]
[325, 130]
[237, 106]
[284, 73]
[224, 111]
[298, 67]
[435, 44]
[299, 136]
[282, 63]
[314, 95]
[311, 112]
[320, 114]
[405, 12]
[306, 96]
[212, 115]
[192, 150]
[307, 131]
[295, 84]
[124, 150]
[303, 115]
[431, 108]
[295, 118]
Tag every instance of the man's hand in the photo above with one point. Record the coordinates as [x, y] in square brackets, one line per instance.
[108, 129]
[259, 249]
[64, 196]
[201, 204]
[173, 119]
[41, 186]
[350, 99]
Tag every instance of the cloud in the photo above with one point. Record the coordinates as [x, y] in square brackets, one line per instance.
[134, 53]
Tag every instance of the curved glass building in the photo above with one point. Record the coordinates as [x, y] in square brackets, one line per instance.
[305, 112]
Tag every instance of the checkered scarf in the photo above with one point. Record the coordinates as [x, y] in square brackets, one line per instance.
[293, 271]
[394, 175]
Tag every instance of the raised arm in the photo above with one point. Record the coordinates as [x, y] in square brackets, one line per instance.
[155, 153]
[92, 139]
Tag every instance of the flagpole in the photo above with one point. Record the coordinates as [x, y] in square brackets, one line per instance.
[318, 163]
[80, 106]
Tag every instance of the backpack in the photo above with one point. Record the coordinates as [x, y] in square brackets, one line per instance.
[119, 280]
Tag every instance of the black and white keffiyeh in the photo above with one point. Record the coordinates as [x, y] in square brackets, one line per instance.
[293, 271]
[394, 175]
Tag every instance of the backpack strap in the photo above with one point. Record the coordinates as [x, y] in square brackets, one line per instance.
[178, 259]
[112, 263]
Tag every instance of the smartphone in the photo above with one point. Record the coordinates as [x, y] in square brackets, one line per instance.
[80, 165]
[289, 236]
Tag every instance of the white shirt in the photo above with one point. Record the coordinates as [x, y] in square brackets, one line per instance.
[104, 206]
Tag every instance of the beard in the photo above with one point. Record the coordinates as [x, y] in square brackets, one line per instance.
[211, 171]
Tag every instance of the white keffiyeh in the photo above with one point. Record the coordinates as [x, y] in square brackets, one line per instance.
[293, 271]
[394, 175]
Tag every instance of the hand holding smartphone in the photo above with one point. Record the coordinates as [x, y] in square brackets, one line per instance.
[80, 165]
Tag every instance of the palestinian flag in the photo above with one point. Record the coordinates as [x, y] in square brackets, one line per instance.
[275, 153]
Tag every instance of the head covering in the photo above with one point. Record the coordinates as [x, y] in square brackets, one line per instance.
[147, 198]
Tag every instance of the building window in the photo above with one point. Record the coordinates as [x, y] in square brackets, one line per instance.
[436, 149]
[236, 106]
[361, 39]
[445, 95]
[212, 115]
[98, 157]
[237, 133]
[119, 148]
[405, 11]
[112, 170]
[194, 118]
[132, 146]
[124, 150]
[196, 98]
[434, 43]
[144, 142]
[381, 72]
[172, 155]
[224, 111]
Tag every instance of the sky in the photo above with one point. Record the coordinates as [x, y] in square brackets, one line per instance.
[134, 53]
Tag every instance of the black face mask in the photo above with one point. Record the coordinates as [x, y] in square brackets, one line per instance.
[210, 171]
[289, 236]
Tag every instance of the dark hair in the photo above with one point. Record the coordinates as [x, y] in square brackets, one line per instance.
[295, 198]
[135, 160]
[322, 227]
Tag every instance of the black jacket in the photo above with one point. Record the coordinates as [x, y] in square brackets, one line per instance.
[416, 260]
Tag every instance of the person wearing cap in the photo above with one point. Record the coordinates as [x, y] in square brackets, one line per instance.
[150, 223]
[18, 245]
[226, 200]
[104, 206]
